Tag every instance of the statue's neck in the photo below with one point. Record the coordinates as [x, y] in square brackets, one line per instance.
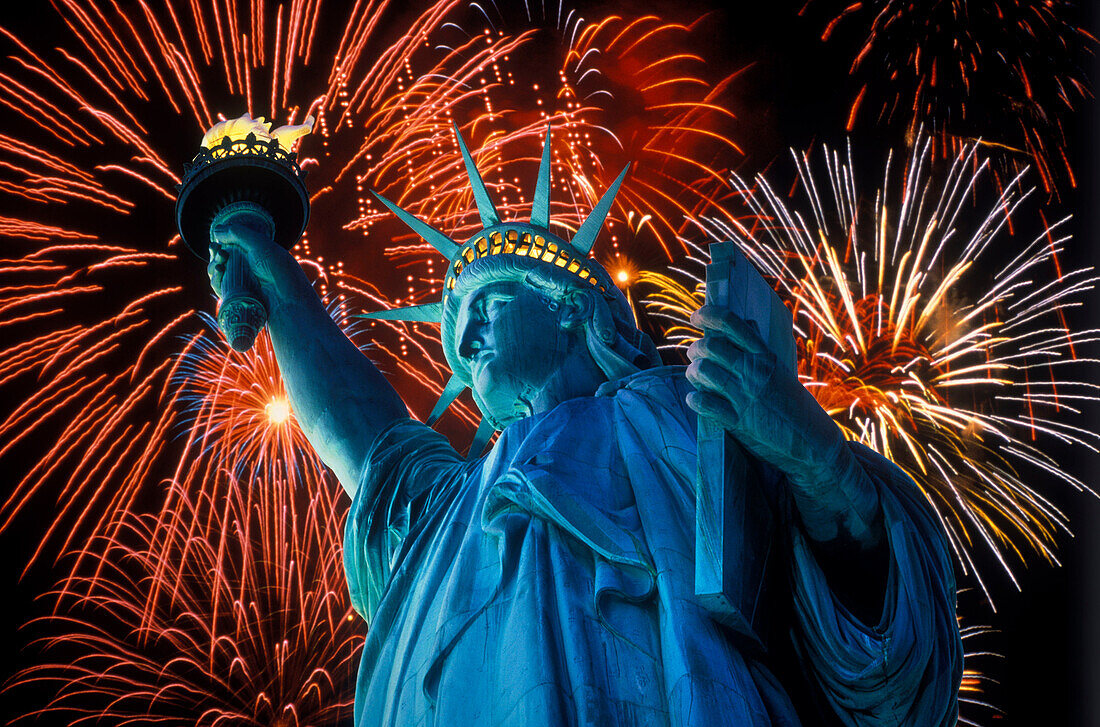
[578, 376]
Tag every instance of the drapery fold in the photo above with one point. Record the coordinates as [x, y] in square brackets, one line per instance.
[551, 582]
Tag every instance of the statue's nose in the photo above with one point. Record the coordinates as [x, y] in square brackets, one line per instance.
[472, 340]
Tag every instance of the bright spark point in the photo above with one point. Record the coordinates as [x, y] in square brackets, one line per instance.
[278, 411]
[622, 276]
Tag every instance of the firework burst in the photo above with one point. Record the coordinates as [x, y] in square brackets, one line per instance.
[960, 390]
[236, 411]
[230, 605]
[226, 609]
[961, 69]
[617, 90]
[97, 291]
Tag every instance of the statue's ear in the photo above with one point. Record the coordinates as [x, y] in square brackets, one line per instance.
[576, 309]
[584, 307]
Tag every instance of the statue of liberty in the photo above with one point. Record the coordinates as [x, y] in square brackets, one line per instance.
[552, 581]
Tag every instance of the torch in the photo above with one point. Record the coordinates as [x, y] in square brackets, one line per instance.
[243, 166]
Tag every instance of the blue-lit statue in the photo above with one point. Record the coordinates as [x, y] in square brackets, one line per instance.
[553, 580]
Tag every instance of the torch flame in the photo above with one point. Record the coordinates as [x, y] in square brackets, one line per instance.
[238, 129]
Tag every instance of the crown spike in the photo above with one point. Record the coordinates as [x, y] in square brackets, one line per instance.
[427, 313]
[590, 228]
[481, 437]
[540, 207]
[445, 245]
[485, 207]
[451, 391]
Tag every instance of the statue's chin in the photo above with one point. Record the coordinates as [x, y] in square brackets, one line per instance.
[502, 409]
[504, 416]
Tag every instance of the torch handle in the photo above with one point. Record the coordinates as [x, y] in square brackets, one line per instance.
[241, 314]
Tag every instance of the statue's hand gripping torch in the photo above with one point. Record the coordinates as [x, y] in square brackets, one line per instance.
[243, 175]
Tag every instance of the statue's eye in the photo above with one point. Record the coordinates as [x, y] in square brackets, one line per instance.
[492, 305]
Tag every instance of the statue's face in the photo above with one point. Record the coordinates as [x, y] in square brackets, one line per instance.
[513, 344]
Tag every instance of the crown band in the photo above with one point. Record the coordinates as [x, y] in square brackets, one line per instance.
[524, 241]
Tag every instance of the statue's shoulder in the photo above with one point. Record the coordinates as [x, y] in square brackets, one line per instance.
[660, 381]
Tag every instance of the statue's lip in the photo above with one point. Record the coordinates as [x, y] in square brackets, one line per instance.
[480, 360]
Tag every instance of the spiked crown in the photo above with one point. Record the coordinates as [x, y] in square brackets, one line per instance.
[528, 244]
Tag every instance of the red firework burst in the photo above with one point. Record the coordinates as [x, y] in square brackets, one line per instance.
[1006, 72]
[97, 292]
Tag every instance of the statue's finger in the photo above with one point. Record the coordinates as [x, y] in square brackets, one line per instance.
[720, 349]
[748, 372]
[217, 275]
[716, 408]
[726, 323]
[708, 375]
[224, 237]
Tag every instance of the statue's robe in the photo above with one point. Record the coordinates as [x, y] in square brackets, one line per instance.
[551, 582]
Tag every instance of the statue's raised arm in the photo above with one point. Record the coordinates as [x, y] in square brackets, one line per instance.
[338, 396]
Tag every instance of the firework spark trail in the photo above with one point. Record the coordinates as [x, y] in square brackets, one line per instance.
[976, 680]
[684, 148]
[960, 389]
[963, 69]
[680, 142]
[229, 606]
[75, 399]
[224, 609]
[94, 332]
